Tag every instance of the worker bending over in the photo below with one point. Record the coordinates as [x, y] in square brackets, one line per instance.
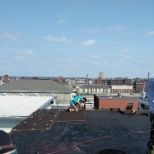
[76, 103]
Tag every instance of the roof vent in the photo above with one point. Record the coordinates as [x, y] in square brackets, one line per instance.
[21, 94]
[35, 94]
[5, 94]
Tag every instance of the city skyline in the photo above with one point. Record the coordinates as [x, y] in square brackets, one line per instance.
[74, 38]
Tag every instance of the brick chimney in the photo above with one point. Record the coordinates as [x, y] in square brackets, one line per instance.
[6, 78]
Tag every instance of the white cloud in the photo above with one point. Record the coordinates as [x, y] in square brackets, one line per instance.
[113, 43]
[19, 57]
[89, 43]
[9, 36]
[117, 28]
[127, 57]
[60, 21]
[95, 57]
[125, 50]
[57, 39]
[127, 34]
[93, 30]
[6, 44]
[25, 52]
[94, 62]
[150, 33]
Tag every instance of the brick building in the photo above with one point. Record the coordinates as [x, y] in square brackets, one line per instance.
[99, 81]
[140, 85]
[115, 81]
[115, 102]
[121, 89]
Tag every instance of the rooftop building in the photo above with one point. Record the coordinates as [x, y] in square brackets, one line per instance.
[30, 85]
[54, 130]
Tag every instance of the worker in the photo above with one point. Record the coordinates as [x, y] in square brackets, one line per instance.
[150, 98]
[76, 103]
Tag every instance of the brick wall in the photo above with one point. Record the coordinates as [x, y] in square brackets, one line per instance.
[113, 103]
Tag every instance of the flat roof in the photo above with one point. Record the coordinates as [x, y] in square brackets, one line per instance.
[34, 85]
[100, 130]
[21, 106]
[115, 97]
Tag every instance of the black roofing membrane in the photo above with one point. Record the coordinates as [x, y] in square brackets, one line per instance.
[101, 130]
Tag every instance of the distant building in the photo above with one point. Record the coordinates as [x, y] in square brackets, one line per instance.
[106, 81]
[99, 81]
[121, 89]
[121, 81]
[99, 89]
[115, 81]
[115, 102]
[101, 75]
[140, 85]
[87, 80]
[61, 80]
[100, 78]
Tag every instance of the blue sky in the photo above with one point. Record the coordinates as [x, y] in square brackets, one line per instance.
[72, 38]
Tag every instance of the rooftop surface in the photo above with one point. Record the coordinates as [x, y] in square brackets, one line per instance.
[115, 97]
[21, 105]
[86, 132]
[33, 85]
